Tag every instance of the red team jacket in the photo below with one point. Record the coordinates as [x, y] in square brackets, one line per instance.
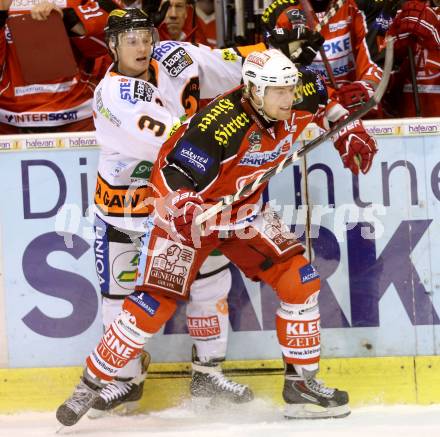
[63, 101]
[427, 62]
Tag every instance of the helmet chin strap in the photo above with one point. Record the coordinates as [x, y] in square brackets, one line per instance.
[260, 110]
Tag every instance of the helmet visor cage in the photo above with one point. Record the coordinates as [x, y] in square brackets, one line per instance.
[136, 37]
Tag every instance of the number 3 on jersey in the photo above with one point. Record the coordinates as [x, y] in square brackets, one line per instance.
[157, 127]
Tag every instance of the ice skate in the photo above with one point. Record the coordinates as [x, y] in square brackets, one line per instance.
[211, 387]
[308, 398]
[81, 400]
[122, 395]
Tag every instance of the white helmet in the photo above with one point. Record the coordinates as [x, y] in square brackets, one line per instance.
[268, 68]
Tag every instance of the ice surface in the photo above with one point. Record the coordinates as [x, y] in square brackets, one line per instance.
[258, 419]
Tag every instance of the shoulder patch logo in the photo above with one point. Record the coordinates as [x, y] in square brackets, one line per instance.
[177, 61]
[192, 156]
[229, 55]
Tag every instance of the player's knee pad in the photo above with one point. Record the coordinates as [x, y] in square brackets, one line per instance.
[298, 331]
[121, 342]
[150, 310]
[298, 282]
[116, 258]
[208, 315]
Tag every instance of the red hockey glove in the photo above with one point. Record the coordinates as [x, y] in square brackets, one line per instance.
[185, 207]
[416, 22]
[352, 95]
[356, 147]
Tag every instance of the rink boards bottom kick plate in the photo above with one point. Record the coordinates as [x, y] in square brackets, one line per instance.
[376, 380]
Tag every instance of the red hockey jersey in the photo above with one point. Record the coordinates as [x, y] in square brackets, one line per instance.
[345, 44]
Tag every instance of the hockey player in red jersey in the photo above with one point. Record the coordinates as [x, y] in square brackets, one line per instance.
[356, 76]
[417, 25]
[59, 105]
[210, 156]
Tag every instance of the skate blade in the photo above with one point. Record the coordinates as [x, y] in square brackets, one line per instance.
[203, 404]
[312, 411]
[125, 409]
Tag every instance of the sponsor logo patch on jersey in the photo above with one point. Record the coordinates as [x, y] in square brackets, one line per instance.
[101, 248]
[171, 268]
[229, 55]
[163, 49]
[255, 140]
[124, 269]
[142, 91]
[125, 92]
[255, 159]
[192, 156]
[142, 171]
[338, 46]
[334, 27]
[308, 273]
[340, 66]
[177, 61]
[223, 106]
[203, 326]
[104, 111]
[147, 302]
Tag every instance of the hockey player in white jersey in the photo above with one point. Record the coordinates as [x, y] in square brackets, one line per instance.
[142, 96]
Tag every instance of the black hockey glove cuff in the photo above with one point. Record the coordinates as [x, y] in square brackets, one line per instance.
[310, 48]
[157, 14]
[288, 42]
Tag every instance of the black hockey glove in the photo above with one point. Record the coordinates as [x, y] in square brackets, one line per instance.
[156, 10]
[288, 42]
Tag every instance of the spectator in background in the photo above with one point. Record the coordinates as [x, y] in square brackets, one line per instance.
[417, 29]
[179, 24]
[59, 105]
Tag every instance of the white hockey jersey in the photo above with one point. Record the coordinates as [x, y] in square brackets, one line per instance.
[133, 118]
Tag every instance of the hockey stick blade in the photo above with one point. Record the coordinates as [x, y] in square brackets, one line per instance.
[308, 147]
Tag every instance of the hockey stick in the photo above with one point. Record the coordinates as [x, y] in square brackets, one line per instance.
[306, 148]
[413, 76]
[330, 14]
